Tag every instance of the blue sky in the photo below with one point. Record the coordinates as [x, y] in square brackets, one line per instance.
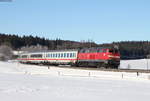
[102, 21]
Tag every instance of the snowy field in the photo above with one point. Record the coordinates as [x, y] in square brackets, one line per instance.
[136, 64]
[19, 82]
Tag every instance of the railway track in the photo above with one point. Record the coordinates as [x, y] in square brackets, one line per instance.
[98, 69]
[103, 69]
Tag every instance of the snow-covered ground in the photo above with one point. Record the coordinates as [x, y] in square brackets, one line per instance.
[135, 64]
[19, 82]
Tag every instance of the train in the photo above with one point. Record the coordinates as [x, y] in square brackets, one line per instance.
[100, 57]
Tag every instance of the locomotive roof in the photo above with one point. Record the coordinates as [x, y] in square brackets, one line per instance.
[100, 48]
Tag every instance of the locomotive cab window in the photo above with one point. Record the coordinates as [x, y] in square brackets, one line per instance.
[111, 51]
[83, 51]
[93, 50]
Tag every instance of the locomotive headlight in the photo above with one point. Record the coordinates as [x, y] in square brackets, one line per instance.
[112, 56]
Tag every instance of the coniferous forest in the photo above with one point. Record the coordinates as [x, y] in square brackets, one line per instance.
[128, 49]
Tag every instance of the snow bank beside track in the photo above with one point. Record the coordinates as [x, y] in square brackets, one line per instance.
[18, 68]
[143, 64]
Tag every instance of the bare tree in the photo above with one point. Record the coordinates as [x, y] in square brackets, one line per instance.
[5, 52]
[34, 48]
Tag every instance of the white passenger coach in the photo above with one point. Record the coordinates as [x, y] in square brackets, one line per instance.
[50, 57]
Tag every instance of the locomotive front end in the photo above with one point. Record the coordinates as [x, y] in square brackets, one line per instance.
[113, 58]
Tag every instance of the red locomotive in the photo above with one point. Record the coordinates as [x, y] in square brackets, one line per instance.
[99, 57]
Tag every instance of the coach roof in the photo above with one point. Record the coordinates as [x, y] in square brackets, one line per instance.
[65, 50]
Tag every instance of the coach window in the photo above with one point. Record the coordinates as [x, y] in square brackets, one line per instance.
[61, 54]
[32, 56]
[40, 55]
[70, 54]
[67, 54]
[58, 55]
[74, 54]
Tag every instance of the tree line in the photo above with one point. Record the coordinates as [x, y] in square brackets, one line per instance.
[128, 49]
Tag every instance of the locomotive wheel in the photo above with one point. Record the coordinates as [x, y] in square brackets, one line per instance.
[98, 66]
[102, 66]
